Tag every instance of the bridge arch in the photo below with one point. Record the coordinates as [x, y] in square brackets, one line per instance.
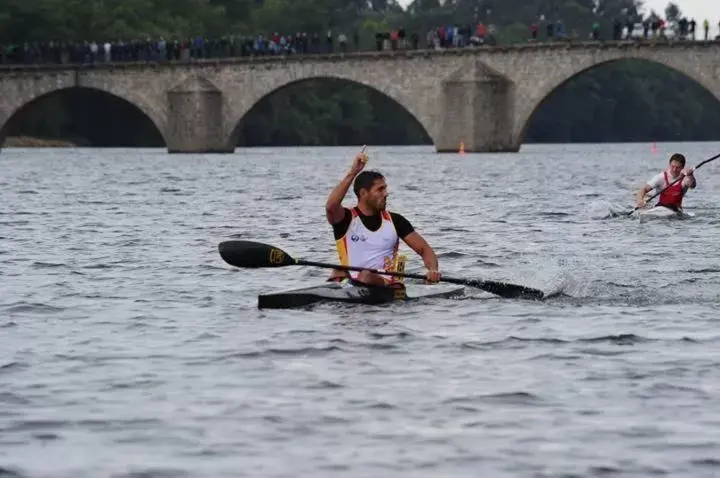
[528, 105]
[21, 101]
[414, 108]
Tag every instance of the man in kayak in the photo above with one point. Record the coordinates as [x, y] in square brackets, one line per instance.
[671, 197]
[368, 235]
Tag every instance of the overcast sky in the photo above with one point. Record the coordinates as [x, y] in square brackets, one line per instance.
[700, 9]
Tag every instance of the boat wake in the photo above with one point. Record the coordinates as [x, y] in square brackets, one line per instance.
[600, 210]
[572, 279]
[607, 210]
[546, 275]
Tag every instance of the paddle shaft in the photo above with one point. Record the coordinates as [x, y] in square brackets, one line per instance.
[253, 254]
[678, 179]
[476, 283]
[498, 288]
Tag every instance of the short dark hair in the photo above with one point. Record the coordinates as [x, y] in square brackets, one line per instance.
[365, 180]
[679, 158]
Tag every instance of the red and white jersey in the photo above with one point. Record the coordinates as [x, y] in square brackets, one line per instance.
[673, 195]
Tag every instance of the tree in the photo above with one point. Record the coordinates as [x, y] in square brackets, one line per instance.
[653, 17]
[672, 12]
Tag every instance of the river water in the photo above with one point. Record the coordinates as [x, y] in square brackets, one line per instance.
[129, 348]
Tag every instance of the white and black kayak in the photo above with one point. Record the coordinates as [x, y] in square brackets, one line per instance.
[353, 293]
[661, 212]
[251, 254]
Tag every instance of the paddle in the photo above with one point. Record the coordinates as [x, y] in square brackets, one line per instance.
[251, 254]
[672, 183]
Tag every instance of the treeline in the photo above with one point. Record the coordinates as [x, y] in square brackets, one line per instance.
[127, 20]
[627, 101]
[623, 101]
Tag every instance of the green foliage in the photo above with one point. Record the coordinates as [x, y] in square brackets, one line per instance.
[627, 101]
[672, 12]
[81, 116]
[79, 20]
[23, 20]
[291, 16]
[624, 101]
[329, 112]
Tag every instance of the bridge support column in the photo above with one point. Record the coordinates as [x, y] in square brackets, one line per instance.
[477, 113]
[195, 118]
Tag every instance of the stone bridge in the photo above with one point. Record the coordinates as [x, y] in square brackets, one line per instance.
[482, 97]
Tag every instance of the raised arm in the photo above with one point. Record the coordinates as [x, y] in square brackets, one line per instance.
[333, 207]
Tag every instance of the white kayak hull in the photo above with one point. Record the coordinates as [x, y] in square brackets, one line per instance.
[661, 212]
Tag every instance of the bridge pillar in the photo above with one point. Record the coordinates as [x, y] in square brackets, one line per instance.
[195, 118]
[477, 113]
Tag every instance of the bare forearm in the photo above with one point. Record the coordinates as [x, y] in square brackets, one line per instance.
[430, 259]
[640, 197]
[333, 206]
[337, 195]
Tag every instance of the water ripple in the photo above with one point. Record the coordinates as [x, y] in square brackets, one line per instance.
[130, 349]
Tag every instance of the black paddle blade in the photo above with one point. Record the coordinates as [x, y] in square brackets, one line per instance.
[251, 254]
[508, 291]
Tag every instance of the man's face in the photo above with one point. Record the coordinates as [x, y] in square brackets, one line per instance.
[675, 168]
[376, 196]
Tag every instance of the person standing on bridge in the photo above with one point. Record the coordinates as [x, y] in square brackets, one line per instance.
[368, 235]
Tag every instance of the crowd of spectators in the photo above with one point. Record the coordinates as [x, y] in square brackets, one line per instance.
[445, 36]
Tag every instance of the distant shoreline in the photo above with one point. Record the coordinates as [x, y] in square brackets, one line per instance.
[30, 142]
[34, 142]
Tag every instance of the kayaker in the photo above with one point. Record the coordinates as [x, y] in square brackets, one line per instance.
[671, 197]
[368, 235]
